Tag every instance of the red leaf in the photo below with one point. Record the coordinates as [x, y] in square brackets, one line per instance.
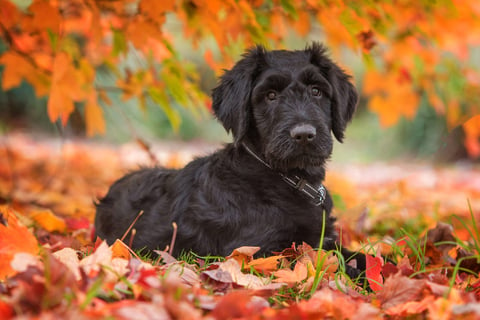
[389, 269]
[77, 223]
[373, 272]
[6, 311]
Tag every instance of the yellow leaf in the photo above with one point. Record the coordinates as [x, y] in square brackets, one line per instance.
[49, 221]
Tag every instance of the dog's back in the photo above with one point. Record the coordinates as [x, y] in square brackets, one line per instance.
[125, 200]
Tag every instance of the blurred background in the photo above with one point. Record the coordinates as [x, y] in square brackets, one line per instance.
[391, 41]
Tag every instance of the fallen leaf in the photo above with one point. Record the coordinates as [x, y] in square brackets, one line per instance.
[103, 258]
[14, 238]
[332, 304]
[238, 305]
[374, 272]
[6, 310]
[120, 250]
[399, 289]
[184, 273]
[69, 258]
[265, 265]
[249, 281]
[292, 277]
[21, 261]
[410, 307]
[49, 221]
[77, 223]
[243, 254]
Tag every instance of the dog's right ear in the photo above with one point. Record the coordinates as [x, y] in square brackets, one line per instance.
[231, 98]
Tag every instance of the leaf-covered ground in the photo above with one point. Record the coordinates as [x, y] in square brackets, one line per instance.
[417, 223]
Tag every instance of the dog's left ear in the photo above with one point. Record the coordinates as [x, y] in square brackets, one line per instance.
[345, 97]
[231, 98]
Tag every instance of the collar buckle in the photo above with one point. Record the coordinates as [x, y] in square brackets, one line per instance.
[316, 195]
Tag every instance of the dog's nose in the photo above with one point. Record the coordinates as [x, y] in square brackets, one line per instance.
[303, 133]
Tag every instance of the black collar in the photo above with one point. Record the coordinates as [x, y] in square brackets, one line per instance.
[317, 195]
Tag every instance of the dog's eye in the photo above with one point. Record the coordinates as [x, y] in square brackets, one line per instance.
[272, 95]
[316, 92]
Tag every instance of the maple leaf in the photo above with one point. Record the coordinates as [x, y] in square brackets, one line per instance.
[66, 88]
[399, 289]
[14, 238]
[292, 277]
[374, 272]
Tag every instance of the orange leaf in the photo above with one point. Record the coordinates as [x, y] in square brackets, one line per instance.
[59, 105]
[265, 265]
[373, 272]
[302, 24]
[8, 14]
[49, 221]
[156, 9]
[472, 135]
[15, 69]
[290, 277]
[45, 16]
[120, 250]
[94, 116]
[14, 238]
[64, 89]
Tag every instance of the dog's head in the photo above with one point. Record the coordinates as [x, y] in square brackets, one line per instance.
[286, 103]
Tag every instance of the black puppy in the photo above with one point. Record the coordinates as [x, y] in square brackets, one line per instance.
[265, 188]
